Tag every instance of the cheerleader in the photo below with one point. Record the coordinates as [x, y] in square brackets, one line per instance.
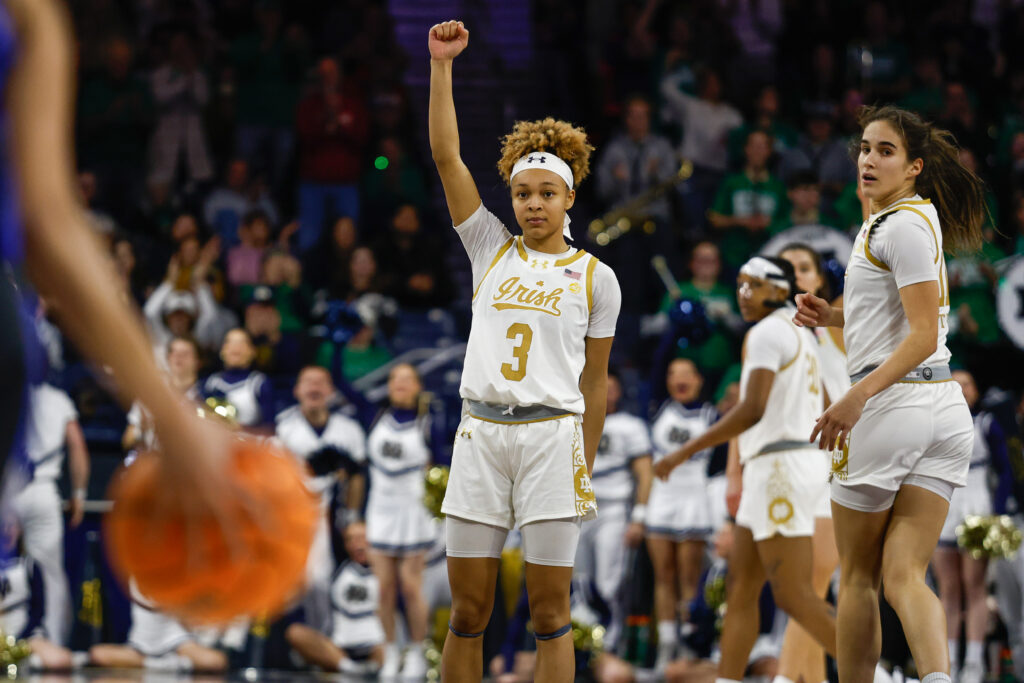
[534, 382]
[679, 510]
[780, 397]
[961, 578]
[903, 430]
[399, 526]
[246, 389]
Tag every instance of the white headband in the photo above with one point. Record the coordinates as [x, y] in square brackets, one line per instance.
[548, 162]
[763, 269]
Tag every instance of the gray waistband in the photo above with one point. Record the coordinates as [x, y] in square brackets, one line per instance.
[785, 445]
[921, 375]
[514, 414]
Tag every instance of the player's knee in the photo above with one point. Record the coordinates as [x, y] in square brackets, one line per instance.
[896, 577]
[470, 615]
[549, 615]
[295, 633]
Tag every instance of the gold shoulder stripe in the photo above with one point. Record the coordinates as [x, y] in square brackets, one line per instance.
[501, 252]
[867, 251]
[521, 249]
[591, 266]
[569, 259]
[799, 346]
[938, 250]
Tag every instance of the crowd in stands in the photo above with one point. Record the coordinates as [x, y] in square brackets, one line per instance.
[256, 169]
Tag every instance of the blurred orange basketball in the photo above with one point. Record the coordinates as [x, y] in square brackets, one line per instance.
[195, 572]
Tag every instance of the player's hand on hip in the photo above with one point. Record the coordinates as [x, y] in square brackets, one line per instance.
[76, 508]
[447, 40]
[811, 311]
[832, 430]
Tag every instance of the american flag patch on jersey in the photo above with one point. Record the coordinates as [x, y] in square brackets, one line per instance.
[571, 273]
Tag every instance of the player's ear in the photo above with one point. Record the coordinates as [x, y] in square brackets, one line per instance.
[570, 199]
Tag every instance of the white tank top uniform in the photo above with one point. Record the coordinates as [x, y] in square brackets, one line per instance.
[397, 521]
[22, 598]
[679, 507]
[784, 475]
[919, 430]
[247, 390]
[355, 595]
[518, 454]
[974, 498]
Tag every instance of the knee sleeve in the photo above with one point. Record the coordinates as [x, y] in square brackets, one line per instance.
[473, 539]
[551, 542]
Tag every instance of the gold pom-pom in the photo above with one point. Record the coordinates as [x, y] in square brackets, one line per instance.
[218, 407]
[988, 536]
[436, 485]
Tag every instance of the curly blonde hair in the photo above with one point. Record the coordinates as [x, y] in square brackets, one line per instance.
[560, 138]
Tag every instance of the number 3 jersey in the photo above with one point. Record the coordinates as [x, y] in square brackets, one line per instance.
[531, 314]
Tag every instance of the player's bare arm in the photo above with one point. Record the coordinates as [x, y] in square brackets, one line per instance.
[445, 42]
[813, 311]
[594, 386]
[742, 417]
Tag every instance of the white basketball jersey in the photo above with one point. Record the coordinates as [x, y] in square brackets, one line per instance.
[297, 435]
[623, 440]
[904, 249]
[49, 414]
[795, 400]
[398, 455]
[531, 314]
[835, 375]
[674, 425]
[355, 594]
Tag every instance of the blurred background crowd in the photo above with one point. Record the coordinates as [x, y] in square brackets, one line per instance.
[262, 166]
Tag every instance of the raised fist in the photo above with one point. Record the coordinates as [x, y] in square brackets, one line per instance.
[447, 40]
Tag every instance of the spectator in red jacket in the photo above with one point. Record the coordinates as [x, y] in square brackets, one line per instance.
[333, 132]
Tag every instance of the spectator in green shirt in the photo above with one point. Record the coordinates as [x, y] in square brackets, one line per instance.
[766, 117]
[719, 301]
[747, 203]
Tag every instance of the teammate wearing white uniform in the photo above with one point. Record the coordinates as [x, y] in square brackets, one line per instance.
[904, 426]
[398, 525]
[782, 492]
[156, 641]
[679, 510]
[960, 577]
[801, 655]
[535, 377]
[356, 643]
[622, 483]
[52, 427]
[333, 448]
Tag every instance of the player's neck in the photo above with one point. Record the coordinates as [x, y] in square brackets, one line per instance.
[905, 192]
[552, 244]
[316, 416]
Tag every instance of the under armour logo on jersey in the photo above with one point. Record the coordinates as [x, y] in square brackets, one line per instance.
[466, 434]
[532, 159]
[390, 449]
[539, 263]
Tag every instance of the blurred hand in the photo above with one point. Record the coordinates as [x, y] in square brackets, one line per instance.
[733, 493]
[664, 467]
[447, 40]
[173, 270]
[286, 233]
[811, 311]
[421, 282]
[634, 535]
[76, 509]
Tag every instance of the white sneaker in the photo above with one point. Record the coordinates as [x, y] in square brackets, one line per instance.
[414, 664]
[392, 661]
[881, 675]
[666, 653]
[972, 672]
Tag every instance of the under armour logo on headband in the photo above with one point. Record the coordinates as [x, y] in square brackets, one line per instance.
[533, 159]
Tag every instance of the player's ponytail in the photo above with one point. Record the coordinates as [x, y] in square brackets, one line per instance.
[957, 192]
